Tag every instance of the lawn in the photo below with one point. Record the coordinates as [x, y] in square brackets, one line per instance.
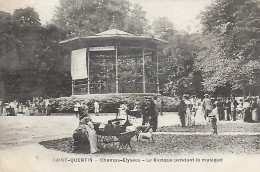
[177, 145]
[185, 144]
[223, 126]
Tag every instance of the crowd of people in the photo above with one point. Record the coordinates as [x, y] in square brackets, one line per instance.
[198, 111]
[26, 108]
[149, 110]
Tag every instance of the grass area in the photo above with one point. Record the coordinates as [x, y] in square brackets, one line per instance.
[177, 145]
[185, 144]
[223, 126]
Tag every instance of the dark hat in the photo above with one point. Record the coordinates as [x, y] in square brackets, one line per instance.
[85, 120]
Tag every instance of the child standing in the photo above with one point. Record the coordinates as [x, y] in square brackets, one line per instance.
[96, 108]
[76, 109]
[213, 117]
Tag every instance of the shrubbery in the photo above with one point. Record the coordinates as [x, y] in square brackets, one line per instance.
[109, 103]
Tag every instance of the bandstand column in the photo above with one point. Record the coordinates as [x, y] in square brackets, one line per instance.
[144, 91]
[72, 87]
[88, 71]
[116, 69]
[157, 71]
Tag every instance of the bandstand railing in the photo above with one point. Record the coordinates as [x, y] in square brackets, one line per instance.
[80, 89]
[130, 87]
[104, 88]
[151, 87]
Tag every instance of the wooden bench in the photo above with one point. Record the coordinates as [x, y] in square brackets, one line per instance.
[106, 141]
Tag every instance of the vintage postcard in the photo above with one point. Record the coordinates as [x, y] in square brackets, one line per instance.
[129, 85]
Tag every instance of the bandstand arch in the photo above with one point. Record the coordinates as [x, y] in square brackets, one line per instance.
[117, 51]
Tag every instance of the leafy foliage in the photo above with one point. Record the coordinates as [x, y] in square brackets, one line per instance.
[109, 103]
[177, 74]
[230, 45]
[225, 58]
[96, 16]
[31, 57]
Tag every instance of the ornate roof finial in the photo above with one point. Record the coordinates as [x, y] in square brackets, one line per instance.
[113, 19]
[113, 24]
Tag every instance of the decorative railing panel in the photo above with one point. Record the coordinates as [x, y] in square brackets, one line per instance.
[123, 87]
[130, 87]
[102, 88]
[80, 89]
[151, 87]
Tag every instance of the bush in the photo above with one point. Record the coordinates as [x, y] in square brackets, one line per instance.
[110, 102]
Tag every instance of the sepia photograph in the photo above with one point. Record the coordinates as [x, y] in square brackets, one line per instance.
[129, 85]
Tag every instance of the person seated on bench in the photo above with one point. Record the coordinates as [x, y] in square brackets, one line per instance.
[87, 128]
[118, 128]
[109, 128]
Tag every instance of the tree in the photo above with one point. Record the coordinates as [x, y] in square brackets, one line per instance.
[177, 74]
[31, 59]
[230, 45]
[89, 17]
[163, 28]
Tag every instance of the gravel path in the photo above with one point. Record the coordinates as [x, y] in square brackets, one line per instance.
[237, 143]
[23, 130]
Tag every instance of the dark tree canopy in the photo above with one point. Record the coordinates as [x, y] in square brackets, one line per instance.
[177, 73]
[163, 28]
[225, 57]
[230, 54]
[31, 59]
[96, 16]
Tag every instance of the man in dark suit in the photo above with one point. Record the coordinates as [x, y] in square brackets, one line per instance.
[234, 104]
[182, 111]
[145, 111]
[155, 109]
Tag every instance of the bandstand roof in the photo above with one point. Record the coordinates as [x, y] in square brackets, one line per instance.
[113, 37]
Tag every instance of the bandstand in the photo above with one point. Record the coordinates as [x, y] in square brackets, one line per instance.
[114, 61]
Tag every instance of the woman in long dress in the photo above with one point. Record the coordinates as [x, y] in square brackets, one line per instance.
[20, 108]
[199, 116]
[87, 126]
[255, 109]
[188, 111]
[26, 111]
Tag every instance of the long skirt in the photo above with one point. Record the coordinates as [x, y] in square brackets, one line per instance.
[92, 139]
[221, 114]
[214, 125]
[255, 115]
[188, 117]
[199, 117]
[248, 117]
[154, 122]
[81, 141]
